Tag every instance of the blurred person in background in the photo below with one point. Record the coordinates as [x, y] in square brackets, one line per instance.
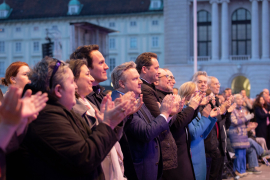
[17, 74]
[215, 142]
[175, 91]
[262, 116]
[238, 135]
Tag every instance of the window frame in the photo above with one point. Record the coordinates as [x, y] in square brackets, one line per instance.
[2, 46]
[208, 25]
[17, 46]
[133, 40]
[247, 40]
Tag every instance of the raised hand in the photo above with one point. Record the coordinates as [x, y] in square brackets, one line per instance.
[135, 105]
[224, 106]
[249, 116]
[166, 105]
[32, 104]
[232, 107]
[215, 112]
[176, 105]
[194, 102]
[206, 111]
[11, 107]
[100, 114]
[113, 115]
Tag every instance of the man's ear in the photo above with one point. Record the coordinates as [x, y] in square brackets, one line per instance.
[12, 80]
[144, 69]
[121, 84]
[58, 90]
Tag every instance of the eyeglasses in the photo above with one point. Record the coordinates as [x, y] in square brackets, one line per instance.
[167, 76]
[56, 67]
[172, 77]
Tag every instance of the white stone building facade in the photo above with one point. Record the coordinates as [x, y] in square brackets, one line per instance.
[233, 42]
[22, 39]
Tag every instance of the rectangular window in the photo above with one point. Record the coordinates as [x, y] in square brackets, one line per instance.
[36, 46]
[18, 29]
[111, 64]
[112, 43]
[2, 68]
[36, 28]
[133, 58]
[133, 42]
[72, 10]
[2, 46]
[154, 41]
[133, 23]
[111, 24]
[54, 27]
[2, 14]
[18, 47]
[155, 22]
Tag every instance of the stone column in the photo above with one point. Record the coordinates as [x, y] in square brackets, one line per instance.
[255, 30]
[215, 32]
[265, 29]
[225, 30]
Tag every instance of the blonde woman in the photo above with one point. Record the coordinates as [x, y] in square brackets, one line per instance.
[198, 129]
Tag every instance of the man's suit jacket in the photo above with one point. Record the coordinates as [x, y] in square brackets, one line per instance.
[168, 146]
[142, 135]
[129, 172]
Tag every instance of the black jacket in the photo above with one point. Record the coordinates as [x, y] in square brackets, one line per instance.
[212, 143]
[179, 130]
[60, 145]
[96, 95]
[168, 146]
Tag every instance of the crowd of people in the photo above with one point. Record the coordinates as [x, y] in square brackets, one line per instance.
[56, 122]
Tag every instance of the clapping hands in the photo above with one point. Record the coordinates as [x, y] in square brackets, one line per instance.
[14, 108]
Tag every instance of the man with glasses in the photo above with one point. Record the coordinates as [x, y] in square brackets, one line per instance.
[171, 77]
[163, 84]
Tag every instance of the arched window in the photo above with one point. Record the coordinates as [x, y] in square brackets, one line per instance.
[241, 32]
[204, 33]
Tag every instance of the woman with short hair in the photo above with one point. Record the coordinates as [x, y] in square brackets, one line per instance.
[59, 144]
[198, 129]
[112, 165]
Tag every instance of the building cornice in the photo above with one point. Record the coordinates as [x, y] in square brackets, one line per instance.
[79, 16]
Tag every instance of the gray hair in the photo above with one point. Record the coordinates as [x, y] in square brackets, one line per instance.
[41, 74]
[117, 73]
[237, 96]
[210, 78]
[199, 73]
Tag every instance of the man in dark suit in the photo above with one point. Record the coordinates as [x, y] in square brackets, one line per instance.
[144, 129]
[98, 67]
[215, 143]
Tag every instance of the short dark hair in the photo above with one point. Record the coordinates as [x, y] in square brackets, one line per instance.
[227, 89]
[75, 66]
[83, 52]
[144, 59]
